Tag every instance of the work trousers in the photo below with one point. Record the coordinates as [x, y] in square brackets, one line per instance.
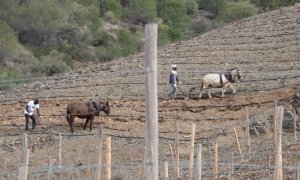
[172, 94]
[27, 116]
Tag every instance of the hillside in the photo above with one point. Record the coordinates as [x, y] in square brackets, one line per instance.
[266, 46]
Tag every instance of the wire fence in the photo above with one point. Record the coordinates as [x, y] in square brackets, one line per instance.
[259, 163]
[287, 71]
[140, 96]
[134, 170]
[223, 130]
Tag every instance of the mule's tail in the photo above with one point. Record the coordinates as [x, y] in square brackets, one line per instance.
[68, 117]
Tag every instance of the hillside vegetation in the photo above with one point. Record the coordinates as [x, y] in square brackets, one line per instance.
[42, 38]
[265, 46]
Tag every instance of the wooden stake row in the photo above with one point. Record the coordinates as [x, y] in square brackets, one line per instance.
[278, 175]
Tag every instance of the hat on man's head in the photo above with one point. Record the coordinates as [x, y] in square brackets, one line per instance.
[36, 101]
[173, 66]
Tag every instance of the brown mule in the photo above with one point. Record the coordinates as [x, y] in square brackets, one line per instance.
[86, 110]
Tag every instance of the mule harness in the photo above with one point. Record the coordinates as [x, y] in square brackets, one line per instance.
[221, 80]
[229, 77]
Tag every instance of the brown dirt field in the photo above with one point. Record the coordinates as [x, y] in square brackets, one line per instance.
[214, 119]
[265, 46]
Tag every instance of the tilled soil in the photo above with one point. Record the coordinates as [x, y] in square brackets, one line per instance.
[214, 119]
[266, 47]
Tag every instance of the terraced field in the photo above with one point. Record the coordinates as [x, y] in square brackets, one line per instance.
[266, 46]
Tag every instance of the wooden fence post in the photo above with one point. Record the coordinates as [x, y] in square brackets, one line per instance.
[23, 169]
[215, 160]
[151, 124]
[247, 131]
[298, 171]
[238, 144]
[59, 152]
[172, 155]
[108, 158]
[100, 142]
[274, 121]
[278, 146]
[177, 150]
[191, 165]
[295, 116]
[143, 165]
[49, 168]
[210, 159]
[231, 168]
[199, 163]
[88, 171]
[166, 170]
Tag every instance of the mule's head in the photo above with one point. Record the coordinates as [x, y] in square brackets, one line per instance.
[239, 73]
[106, 109]
[236, 73]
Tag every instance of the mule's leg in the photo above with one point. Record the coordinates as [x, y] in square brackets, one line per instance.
[86, 122]
[203, 86]
[200, 95]
[71, 120]
[201, 91]
[233, 89]
[209, 93]
[223, 91]
[91, 122]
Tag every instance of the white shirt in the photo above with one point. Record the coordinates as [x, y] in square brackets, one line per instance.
[31, 107]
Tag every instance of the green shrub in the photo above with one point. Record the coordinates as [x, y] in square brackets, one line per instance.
[126, 43]
[10, 77]
[8, 41]
[233, 11]
[102, 38]
[209, 5]
[39, 21]
[82, 17]
[140, 11]
[192, 7]
[113, 6]
[174, 13]
[174, 34]
[79, 15]
[94, 20]
[54, 63]
[105, 54]
[110, 48]
[200, 27]
[38, 52]
[166, 35]
[266, 5]
[163, 38]
[79, 48]
[139, 39]
[110, 16]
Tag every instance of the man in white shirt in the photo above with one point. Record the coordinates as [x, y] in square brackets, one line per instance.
[28, 112]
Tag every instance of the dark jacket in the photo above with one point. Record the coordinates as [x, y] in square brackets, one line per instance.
[173, 79]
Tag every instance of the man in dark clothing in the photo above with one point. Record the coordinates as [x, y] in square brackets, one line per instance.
[173, 81]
